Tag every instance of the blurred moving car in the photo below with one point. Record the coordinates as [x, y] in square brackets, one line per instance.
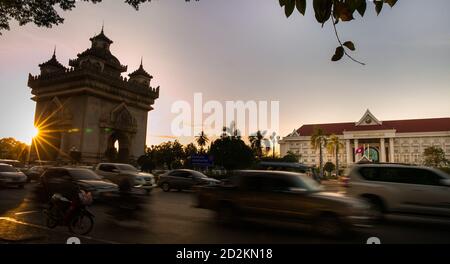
[184, 179]
[286, 197]
[11, 176]
[406, 189]
[34, 173]
[126, 176]
[58, 179]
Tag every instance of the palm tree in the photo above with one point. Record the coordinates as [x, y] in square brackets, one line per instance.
[202, 139]
[256, 142]
[333, 146]
[318, 141]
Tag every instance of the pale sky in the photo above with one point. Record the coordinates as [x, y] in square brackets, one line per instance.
[248, 50]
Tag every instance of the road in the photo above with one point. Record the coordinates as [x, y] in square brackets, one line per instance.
[168, 218]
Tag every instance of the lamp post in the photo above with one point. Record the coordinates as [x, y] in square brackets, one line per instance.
[274, 138]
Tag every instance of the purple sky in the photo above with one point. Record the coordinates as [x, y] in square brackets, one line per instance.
[248, 50]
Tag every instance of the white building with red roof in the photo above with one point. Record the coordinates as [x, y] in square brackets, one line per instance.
[399, 141]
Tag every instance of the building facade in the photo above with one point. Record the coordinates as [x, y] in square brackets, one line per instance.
[88, 110]
[394, 141]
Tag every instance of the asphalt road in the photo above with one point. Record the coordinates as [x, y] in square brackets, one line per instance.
[171, 218]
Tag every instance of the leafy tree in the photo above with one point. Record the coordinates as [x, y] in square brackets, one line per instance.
[11, 148]
[44, 13]
[147, 161]
[231, 153]
[318, 141]
[291, 157]
[434, 157]
[256, 142]
[333, 146]
[336, 10]
[189, 151]
[329, 167]
[202, 139]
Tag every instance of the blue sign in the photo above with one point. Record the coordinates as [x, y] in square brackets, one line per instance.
[202, 160]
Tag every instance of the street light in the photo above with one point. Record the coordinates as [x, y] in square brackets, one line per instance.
[274, 138]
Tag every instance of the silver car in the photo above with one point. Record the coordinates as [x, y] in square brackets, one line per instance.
[10, 176]
[126, 176]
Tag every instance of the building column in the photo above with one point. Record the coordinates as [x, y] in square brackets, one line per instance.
[348, 151]
[391, 150]
[355, 142]
[382, 150]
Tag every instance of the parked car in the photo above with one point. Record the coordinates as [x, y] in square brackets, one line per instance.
[394, 188]
[59, 179]
[283, 197]
[34, 173]
[184, 179]
[126, 176]
[11, 176]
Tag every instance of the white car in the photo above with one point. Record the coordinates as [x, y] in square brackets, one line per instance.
[404, 189]
[10, 176]
[126, 176]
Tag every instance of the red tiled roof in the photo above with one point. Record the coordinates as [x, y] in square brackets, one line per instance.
[401, 126]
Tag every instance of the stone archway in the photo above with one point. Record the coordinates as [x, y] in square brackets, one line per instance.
[118, 149]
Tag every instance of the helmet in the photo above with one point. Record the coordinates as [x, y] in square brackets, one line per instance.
[85, 197]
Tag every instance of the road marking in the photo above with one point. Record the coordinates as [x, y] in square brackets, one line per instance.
[26, 212]
[10, 219]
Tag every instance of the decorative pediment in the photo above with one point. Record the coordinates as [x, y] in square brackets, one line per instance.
[122, 119]
[294, 134]
[368, 119]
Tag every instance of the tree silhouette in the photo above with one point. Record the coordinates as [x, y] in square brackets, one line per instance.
[333, 146]
[318, 141]
[202, 139]
[256, 141]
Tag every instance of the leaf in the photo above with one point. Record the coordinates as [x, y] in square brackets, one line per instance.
[338, 54]
[301, 6]
[361, 7]
[391, 3]
[322, 10]
[282, 3]
[342, 11]
[378, 6]
[349, 45]
[289, 7]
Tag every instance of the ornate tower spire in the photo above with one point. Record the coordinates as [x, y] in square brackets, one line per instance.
[140, 75]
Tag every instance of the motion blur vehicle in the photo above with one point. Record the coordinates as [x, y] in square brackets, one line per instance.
[405, 189]
[184, 179]
[58, 179]
[126, 176]
[290, 166]
[286, 198]
[35, 172]
[10, 176]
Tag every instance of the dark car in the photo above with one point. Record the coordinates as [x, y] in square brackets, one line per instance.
[184, 180]
[59, 180]
[10, 176]
[283, 197]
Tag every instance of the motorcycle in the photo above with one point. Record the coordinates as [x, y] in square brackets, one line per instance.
[80, 221]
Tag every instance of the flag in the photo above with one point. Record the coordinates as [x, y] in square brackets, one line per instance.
[359, 150]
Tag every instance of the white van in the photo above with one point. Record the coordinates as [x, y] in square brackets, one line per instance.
[405, 189]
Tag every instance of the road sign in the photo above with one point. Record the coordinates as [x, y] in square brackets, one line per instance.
[202, 160]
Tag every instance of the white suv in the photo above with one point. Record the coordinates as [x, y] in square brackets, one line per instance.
[392, 188]
[127, 177]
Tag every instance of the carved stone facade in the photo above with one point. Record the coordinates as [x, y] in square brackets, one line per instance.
[90, 108]
[399, 141]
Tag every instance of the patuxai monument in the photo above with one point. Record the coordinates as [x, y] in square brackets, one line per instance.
[89, 111]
